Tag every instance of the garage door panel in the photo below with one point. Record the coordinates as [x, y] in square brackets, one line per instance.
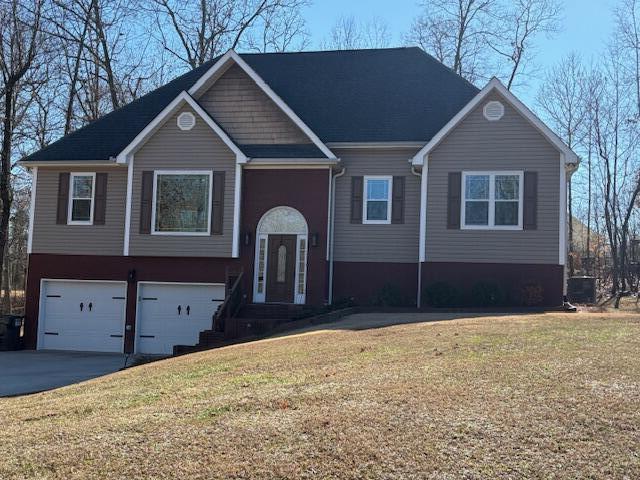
[174, 314]
[83, 315]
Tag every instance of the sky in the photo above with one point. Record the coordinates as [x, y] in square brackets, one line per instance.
[587, 25]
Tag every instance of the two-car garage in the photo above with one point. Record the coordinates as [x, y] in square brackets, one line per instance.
[86, 315]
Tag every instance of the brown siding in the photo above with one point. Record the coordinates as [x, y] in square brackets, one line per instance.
[511, 277]
[305, 190]
[49, 237]
[247, 113]
[171, 148]
[356, 242]
[511, 143]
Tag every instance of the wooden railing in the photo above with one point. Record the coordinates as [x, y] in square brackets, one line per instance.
[229, 308]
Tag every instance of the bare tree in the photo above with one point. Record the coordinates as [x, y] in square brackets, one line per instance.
[563, 102]
[195, 31]
[279, 31]
[347, 33]
[627, 16]
[522, 22]
[20, 47]
[455, 32]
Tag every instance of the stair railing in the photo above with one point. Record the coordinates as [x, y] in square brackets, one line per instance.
[229, 308]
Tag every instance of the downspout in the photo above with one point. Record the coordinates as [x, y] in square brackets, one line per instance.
[419, 286]
[332, 230]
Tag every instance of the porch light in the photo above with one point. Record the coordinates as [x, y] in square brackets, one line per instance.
[247, 239]
[314, 239]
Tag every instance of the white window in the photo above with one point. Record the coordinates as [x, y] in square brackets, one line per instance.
[182, 202]
[81, 198]
[492, 200]
[376, 207]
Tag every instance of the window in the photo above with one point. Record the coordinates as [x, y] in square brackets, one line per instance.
[302, 264]
[377, 200]
[81, 196]
[182, 203]
[492, 200]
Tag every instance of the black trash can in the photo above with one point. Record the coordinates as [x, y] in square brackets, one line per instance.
[11, 332]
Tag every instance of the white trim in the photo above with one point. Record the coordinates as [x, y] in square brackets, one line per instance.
[237, 198]
[190, 172]
[233, 56]
[562, 258]
[127, 212]
[495, 84]
[299, 299]
[136, 331]
[78, 163]
[329, 215]
[366, 179]
[276, 166]
[40, 334]
[376, 145]
[191, 122]
[424, 180]
[292, 162]
[491, 200]
[72, 176]
[32, 209]
[158, 121]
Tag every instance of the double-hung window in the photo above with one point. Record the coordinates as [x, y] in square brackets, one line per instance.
[377, 200]
[492, 200]
[182, 202]
[81, 198]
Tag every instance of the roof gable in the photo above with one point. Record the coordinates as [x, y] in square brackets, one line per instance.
[495, 86]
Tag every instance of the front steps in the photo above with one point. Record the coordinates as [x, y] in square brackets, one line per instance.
[252, 319]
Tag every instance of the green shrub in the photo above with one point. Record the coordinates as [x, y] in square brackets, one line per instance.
[389, 295]
[441, 294]
[487, 294]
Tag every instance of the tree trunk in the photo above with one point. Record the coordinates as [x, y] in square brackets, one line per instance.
[5, 170]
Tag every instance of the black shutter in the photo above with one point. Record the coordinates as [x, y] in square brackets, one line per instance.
[397, 204]
[530, 198]
[356, 199]
[217, 204]
[146, 202]
[100, 206]
[63, 198]
[453, 200]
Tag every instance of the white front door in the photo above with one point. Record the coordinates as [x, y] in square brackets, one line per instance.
[82, 315]
[174, 314]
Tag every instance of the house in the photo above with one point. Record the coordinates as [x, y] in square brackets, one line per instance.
[310, 177]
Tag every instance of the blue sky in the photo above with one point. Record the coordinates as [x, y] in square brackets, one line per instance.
[587, 26]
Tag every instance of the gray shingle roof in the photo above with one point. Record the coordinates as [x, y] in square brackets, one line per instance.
[385, 95]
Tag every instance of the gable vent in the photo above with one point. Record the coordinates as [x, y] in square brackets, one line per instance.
[186, 121]
[493, 111]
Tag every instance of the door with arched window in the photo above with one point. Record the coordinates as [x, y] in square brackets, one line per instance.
[280, 273]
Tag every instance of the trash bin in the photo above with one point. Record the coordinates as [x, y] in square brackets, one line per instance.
[10, 332]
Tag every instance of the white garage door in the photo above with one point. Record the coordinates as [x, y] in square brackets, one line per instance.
[174, 314]
[82, 315]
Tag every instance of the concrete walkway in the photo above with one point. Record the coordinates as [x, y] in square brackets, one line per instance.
[31, 371]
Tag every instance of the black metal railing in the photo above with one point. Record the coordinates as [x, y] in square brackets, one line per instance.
[230, 307]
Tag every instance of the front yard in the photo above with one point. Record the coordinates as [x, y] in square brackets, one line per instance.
[535, 396]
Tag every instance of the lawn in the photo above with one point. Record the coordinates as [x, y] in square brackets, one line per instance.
[535, 396]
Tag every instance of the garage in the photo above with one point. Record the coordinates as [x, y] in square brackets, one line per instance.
[82, 315]
[174, 314]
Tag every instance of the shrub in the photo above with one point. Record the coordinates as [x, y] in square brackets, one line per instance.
[531, 294]
[487, 294]
[441, 294]
[389, 295]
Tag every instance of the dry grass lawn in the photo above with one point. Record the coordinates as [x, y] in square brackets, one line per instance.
[531, 396]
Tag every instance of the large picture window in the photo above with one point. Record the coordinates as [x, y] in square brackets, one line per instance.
[182, 203]
[492, 200]
[81, 197]
[377, 200]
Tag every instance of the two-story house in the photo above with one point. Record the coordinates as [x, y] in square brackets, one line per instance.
[318, 175]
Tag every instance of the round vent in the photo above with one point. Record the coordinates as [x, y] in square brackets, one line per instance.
[493, 111]
[186, 121]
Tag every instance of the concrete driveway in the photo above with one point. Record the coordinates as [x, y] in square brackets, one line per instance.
[31, 371]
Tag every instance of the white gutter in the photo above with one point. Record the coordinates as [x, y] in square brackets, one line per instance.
[332, 228]
[423, 215]
[32, 208]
